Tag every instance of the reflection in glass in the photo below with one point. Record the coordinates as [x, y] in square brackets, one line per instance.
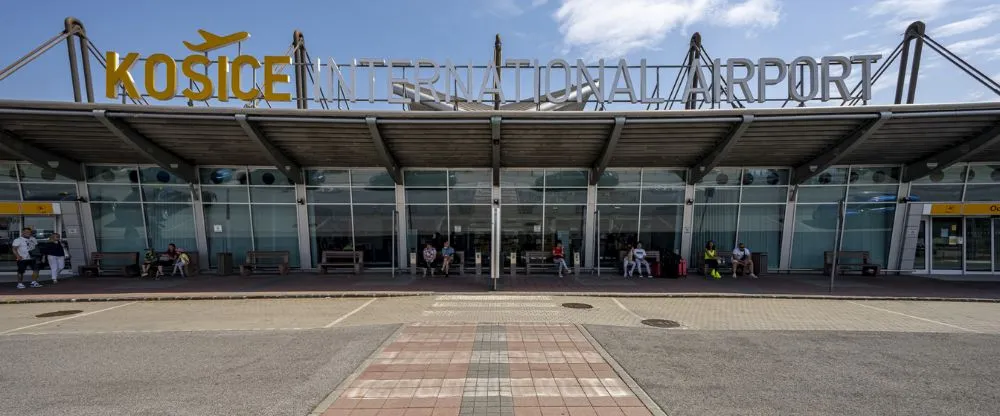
[268, 177]
[329, 229]
[34, 173]
[156, 175]
[374, 195]
[984, 174]
[472, 178]
[618, 227]
[722, 177]
[978, 244]
[620, 178]
[982, 193]
[328, 195]
[937, 193]
[874, 175]
[170, 223]
[112, 174]
[814, 233]
[7, 172]
[872, 193]
[373, 233]
[946, 243]
[161, 193]
[832, 176]
[234, 220]
[920, 255]
[470, 195]
[759, 194]
[231, 194]
[118, 227]
[663, 177]
[328, 177]
[663, 195]
[517, 177]
[223, 176]
[275, 195]
[761, 228]
[470, 231]
[275, 228]
[713, 195]
[868, 227]
[114, 193]
[9, 192]
[820, 193]
[565, 223]
[660, 228]
[996, 244]
[372, 178]
[425, 178]
[47, 192]
[520, 196]
[426, 196]
[565, 195]
[426, 223]
[765, 177]
[566, 178]
[521, 228]
[617, 196]
[716, 223]
[953, 174]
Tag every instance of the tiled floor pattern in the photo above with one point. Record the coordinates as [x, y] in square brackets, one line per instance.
[488, 370]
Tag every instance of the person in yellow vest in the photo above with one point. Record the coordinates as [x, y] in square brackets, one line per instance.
[711, 261]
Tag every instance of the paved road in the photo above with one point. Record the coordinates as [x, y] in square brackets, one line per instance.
[810, 372]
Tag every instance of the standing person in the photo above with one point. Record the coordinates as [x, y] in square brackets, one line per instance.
[447, 256]
[628, 261]
[23, 247]
[640, 260]
[741, 257]
[559, 258]
[711, 261]
[55, 254]
[430, 255]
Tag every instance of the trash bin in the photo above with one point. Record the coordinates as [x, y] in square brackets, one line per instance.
[668, 265]
[224, 264]
[759, 263]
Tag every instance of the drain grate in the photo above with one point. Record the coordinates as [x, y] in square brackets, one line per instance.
[661, 323]
[57, 313]
[577, 305]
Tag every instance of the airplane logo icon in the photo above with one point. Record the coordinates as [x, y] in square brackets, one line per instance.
[213, 41]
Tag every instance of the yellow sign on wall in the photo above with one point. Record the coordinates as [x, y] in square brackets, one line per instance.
[966, 209]
[26, 208]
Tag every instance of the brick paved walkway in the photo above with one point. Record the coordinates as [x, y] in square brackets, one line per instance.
[488, 369]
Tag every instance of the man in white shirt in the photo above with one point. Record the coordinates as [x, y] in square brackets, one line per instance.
[741, 257]
[639, 255]
[22, 248]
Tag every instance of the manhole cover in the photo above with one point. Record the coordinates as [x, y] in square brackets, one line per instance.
[661, 323]
[57, 313]
[577, 305]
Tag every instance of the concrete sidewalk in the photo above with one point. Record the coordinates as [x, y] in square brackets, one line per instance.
[304, 284]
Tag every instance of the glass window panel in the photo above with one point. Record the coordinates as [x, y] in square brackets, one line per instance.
[713, 223]
[235, 236]
[831, 176]
[233, 194]
[472, 178]
[33, 173]
[618, 229]
[815, 231]
[328, 195]
[371, 178]
[872, 193]
[761, 227]
[953, 174]
[515, 177]
[874, 176]
[157, 175]
[171, 223]
[565, 195]
[764, 194]
[7, 172]
[521, 196]
[868, 227]
[620, 178]
[374, 195]
[425, 178]
[984, 174]
[820, 193]
[936, 193]
[470, 231]
[48, 192]
[427, 223]
[268, 177]
[316, 177]
[329, 229]
[222, 176]
[566, 178]
[663, 195]
[712, 195]
[521, 228]
[112, 174]
[722, 176]
[565, 224]
[765, 177]
[114, 193]
[161, 193]
[660, 227]
[276, 195]
[426, 196]
[982, 193]
[373, 233]
[275, 228]
[9, 192]
[663, 177]
[119, 227]
[617, 196]
[470, 196]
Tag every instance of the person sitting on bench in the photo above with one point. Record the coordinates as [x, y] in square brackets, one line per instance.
[711, 261]
[151, 259]
[628, 262]
[430, 255]
[447, 256]
[741, 257]
[181, 263]
[640, 260]
[559, 258]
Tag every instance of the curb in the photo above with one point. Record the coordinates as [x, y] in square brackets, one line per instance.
[158, 298]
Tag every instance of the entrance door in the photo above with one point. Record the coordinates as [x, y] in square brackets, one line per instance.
[978, 244]
[946, 244]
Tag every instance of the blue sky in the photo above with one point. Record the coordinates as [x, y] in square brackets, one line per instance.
[463, 31]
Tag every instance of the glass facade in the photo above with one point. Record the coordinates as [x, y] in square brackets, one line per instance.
[26, 182]
[451, 205]
[639, 206]
[352, 209]
[539, 207]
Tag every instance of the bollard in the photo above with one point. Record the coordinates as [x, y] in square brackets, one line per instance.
[513, 264]
[479, 264]
[413, 264]
[576, 263]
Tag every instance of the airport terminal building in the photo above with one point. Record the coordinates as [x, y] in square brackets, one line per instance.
[915, 186]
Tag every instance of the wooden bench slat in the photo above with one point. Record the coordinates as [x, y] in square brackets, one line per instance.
[265, 259]
[334, 258]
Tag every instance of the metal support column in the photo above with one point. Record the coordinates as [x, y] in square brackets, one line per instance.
[788, 230]
[86, 221]
[687, 227]
[201, 232]
[694, 59]
[302, 220]
[592, 240]
[402, 250]
[914, 34]
[898, 228]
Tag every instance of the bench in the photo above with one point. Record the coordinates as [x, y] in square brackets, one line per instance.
[855, 260]
[335, 258]
[537, 260]
[270, 260]
[114, 262]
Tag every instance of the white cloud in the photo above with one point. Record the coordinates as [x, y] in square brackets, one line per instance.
[971, 24]
[510, 8]
[856, 35]
[538, 3]
[613, 29]
[908, 9]
[972, 45]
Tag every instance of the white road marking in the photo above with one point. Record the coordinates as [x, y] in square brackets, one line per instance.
[480, 298]
[626, 309]
[914, 317]
[478, 305]
[66, 318]
[348, 315]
